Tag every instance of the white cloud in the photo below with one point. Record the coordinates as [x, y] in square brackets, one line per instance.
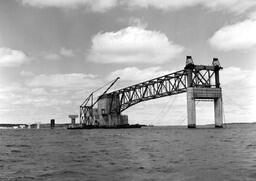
[239, 36]
[237, 6]
[133, 45]
[12, 58]
[69, 81]
[95, 5]
[135, 74]
[162, 4]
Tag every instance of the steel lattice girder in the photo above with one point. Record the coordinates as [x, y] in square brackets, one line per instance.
[86, 114]
[170, 84]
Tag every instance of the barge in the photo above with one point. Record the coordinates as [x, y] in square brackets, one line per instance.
[83, 126]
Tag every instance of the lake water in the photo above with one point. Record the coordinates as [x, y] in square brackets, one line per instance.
[156, 153]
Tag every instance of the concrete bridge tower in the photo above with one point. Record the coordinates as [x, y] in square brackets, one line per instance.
[200, 86]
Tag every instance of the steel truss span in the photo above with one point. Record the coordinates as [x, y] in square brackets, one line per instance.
[170, 84]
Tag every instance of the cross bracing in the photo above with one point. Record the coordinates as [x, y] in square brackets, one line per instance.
[170, 84]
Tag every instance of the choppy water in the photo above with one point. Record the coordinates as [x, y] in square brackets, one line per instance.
[158, 153]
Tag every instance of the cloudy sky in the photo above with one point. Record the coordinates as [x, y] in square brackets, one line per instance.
[53, 53]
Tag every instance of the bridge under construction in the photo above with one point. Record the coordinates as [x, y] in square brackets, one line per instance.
[200, 82]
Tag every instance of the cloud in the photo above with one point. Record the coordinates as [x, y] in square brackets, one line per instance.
[239, 36]
[94, 5]
[134, 21]
[236, 6]
[38, 91]
[239, 94]
[69, 81]
[66, 52]
[51, 56]
[233, 75]
[26, 73]
[135, 74]
[62, 53]
[133, 45]
[41, 102]
[12, 58]
[252, 15]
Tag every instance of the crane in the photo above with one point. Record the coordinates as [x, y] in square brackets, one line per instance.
[86, 108]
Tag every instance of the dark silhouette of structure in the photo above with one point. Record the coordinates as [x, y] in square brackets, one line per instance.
[199, 81]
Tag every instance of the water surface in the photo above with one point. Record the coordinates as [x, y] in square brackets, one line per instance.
[157, 153]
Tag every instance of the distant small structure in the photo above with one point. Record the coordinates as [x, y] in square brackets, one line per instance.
[52, 123]
[22, 126]
[73, 119]
[38, 125]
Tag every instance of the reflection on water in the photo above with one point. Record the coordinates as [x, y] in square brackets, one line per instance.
[156, 153]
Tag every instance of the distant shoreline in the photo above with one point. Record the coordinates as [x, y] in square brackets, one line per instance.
[61, 125]
[42, 125]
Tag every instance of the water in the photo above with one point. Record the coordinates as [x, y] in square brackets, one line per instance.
[157, 153]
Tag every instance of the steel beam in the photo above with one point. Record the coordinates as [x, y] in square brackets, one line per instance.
[170, 84]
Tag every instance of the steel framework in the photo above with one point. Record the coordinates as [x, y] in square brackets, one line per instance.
[170, 84]
[202, 76]
[86, 108]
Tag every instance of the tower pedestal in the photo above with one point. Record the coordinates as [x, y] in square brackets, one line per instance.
[191, 109]
[194, 93]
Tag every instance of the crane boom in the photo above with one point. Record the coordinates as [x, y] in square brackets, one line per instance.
[86, 111]
[106, 90]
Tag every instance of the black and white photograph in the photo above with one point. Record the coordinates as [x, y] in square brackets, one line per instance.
[127, 90]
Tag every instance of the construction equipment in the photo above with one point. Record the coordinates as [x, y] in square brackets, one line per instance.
[86, 108]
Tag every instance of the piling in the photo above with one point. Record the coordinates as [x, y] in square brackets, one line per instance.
[52, 123]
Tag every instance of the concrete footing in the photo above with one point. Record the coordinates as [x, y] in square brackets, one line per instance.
[191, 125]
[218, 126]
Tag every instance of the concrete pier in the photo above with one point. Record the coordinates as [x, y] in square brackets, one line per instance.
[204, 93]
[191, 108]
[218, 112]
[73, 119]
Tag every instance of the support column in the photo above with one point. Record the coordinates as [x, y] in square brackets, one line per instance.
[73, 119]
[218, 112]
[191, 108]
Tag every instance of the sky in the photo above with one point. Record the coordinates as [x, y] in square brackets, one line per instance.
[53, 53]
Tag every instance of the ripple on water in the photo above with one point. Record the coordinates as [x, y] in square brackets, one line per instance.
[139, 154]
[18, 146]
